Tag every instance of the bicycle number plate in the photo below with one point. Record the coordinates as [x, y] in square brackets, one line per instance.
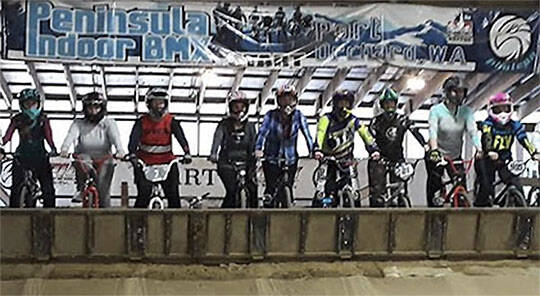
[156, 173]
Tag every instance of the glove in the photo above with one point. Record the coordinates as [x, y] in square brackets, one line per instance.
[318, 155]
[259, 154]
[493, 155]
[187, 159]
[212, 158]
[536, 156]
[435, 155]
[376, 155]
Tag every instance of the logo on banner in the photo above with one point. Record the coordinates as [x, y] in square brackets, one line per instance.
[510, 39]
[460, 30]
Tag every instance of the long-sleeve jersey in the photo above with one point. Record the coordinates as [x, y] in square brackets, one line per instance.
[233, 144]
[32, 134]
[499, 138]
[95, 139]
[389, 131]
[448, 129]
[336, 137]
[279, 139]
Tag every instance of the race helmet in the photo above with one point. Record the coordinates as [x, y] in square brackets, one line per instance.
[157, 93]
[455, 90]
[500, 108]
[94, 99]
[30, 94]
[287, 105]
[237, 97]
[342, 95]
[388, 95]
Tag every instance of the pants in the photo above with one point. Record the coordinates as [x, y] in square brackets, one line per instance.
[434, 179]
[377, 182]
[485, 177]
[170, 188]
[272, 174]
[105, 172]
[228, 177]
[42, 170]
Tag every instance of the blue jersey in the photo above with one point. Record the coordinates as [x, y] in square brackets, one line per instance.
[499, 138]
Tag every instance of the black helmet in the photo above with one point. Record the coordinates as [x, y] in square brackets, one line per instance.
[94, 99]
[157, 93]
[452, 88]
[342, 95]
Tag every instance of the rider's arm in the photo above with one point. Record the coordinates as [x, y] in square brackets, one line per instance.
[322, 127]
[487, 137]
[71, 137]
[114, 136]
[9, 132]
[178, 133]
[48, 133]
[433, 128]
[305, 131]
[366, 136]
[472, 130]
[216, 143]
[263, 131]
[135, 137]
[521, 135]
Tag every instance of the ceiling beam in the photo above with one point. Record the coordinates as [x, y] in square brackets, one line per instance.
[494, 84]
[202, 92]
[71, 85]
[238, 79]
[336, 81]
[263, 96]
[523, 90]
[304, 80]
[7, 94]
[431, 87]
[103, 82]
[368, 83]
[35, 80]
[530, 106]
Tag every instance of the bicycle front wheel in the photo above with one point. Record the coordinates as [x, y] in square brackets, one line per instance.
[533, 199]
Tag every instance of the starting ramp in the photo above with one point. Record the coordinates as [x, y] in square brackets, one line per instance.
[243, 236]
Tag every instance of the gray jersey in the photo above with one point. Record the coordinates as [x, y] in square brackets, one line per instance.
[93, 139]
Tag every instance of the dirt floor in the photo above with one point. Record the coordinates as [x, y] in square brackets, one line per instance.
[340, 278]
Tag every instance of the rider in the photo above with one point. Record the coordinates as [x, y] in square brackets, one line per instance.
[235, 139]
[388, 129]
[93, 136]
[498, 134]
[278, 135]
[448, 122]
[34, 129]
[151, 141]
[335, 137]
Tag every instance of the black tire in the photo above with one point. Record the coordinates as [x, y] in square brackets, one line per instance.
[346, 199]
[514, 198]
[463, 201]
[404, 201]
[23, 196]
[533, 199]
[287, 198]
[242, 199]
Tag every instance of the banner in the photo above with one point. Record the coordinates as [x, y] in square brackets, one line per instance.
[458, 39]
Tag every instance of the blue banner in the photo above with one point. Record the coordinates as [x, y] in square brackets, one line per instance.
[428, 37]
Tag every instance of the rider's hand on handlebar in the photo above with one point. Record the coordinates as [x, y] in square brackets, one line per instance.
[493, 155]
[187, 159]
[212, 159]
[120, 156]
[318, 155]
[536, 156]
[259, 154]
[64, 154]
[435, 155]
[376, 155]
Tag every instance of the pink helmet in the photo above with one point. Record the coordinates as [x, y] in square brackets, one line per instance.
[500, 108]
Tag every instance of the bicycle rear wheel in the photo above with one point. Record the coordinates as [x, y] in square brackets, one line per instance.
[242, 199]
[286, 201]
[461, 200]
[404, 201]
[24, 197]
[514, 198]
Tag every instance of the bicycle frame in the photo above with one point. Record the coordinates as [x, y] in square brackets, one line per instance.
[240, 167]
[458, 180]
[501, 197]
[30, 182]
[156, 174]
[399, 187]
[281, 182]
[91, 172]
[346, 173]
